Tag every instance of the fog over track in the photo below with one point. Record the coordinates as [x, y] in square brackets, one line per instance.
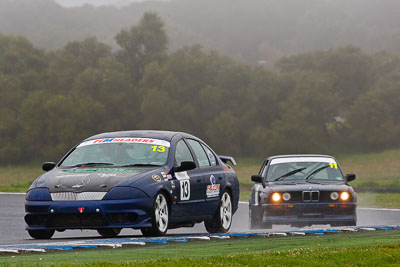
[12, 225]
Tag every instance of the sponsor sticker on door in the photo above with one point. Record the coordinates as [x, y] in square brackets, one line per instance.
[212, 190]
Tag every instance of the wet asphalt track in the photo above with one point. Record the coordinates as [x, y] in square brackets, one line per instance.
[12, 225]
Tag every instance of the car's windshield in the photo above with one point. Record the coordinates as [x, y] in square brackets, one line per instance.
[303, 168]
[127, 152]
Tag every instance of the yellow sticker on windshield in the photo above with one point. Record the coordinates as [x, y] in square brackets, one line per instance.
[333, 165]
[158, 148]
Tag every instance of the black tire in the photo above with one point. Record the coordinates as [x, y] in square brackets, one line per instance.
[41, 234]
[222, 219]
[109, 232]
[159, 218]
[146, 232]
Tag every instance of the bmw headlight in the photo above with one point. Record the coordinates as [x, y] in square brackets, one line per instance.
[344, 196]
[124, 192]
[276, 197]
[334, 195]
[286, 196]
[38, 194]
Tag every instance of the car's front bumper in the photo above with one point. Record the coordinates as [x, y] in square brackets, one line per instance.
[61, 215]
[310, 213]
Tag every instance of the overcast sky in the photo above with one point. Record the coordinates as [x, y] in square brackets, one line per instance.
[71, 3]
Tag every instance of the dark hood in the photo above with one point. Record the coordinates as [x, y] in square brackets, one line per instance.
[89, 179]
[303, 186]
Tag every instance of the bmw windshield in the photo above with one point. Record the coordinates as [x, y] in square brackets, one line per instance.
[303, 168]
[125, 152]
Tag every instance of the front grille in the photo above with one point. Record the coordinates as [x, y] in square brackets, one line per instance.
[72, 196]
[76, 220]
[310, 196]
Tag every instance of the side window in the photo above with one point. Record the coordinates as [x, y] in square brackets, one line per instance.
[182, 153]
[210, 155]
[200, 153]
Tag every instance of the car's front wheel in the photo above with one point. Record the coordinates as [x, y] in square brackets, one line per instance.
[160, 217]
[222, 219]
[41, 234]
[109, 232]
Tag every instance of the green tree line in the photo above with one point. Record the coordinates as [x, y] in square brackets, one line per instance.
[328, 101]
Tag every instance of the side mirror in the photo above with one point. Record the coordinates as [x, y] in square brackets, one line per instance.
[350, 177]
[257, 178]
[47, 166]
[185, 166]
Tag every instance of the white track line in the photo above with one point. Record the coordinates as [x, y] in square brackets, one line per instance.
[11, 193]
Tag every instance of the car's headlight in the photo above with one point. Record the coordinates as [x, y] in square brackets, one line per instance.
[344, 196]
[286, 196]
[276, 197]
[334, 195]
[124, 192]
[38, 194]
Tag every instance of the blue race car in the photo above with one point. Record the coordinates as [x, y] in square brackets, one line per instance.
[147, 180]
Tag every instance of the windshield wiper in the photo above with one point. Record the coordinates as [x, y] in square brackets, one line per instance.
[315, 172]
[92, 164]
[312, 182]
[289, 173]
[141, 165]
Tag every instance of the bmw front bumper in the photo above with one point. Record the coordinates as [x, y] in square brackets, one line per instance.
[310, 213]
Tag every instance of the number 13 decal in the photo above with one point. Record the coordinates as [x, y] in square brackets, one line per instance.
[185, 189]
[158, 148]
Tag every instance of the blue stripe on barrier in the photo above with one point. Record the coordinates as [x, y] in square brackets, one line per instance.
[315, 232]
[56, 247]
[151, 240]
[331, 231]
[383, 228]
[240, 235]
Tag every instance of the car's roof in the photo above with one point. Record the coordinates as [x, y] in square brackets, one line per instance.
[299, 155]
[163, 135]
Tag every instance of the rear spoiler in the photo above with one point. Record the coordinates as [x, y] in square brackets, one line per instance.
[225, 159]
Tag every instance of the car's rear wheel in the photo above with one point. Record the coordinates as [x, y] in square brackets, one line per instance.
[109, 232]
[160, 217]
[41, 234]
[222, 219]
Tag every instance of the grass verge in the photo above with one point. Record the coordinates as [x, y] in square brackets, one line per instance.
[353, 249]
[18, 178]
